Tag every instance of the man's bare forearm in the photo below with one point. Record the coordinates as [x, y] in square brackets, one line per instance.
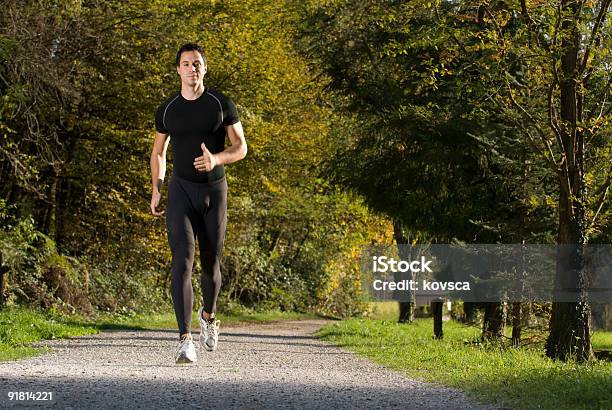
[158, 172]
[231, 154]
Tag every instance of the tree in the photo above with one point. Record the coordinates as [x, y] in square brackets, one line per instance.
[418, 142]
[525, 75]
[80, 82]
[558, 97]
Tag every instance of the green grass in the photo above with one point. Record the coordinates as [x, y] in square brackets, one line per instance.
[516, 378]
[389, 310]
[602, 340]
[19, 328]
[168, 321]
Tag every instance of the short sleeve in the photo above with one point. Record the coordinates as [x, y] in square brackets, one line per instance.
[230, 114]
[159, 120]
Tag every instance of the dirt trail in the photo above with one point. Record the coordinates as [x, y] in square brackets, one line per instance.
[277, 365]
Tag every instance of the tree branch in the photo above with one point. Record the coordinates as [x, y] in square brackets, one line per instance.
[605, 184]
[528, 20]
[605, 4]
[535, 124]
[551, 111]
[124, 20]
[602, 192]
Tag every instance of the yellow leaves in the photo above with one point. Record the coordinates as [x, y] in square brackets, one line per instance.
[271, 186]
[535, 202]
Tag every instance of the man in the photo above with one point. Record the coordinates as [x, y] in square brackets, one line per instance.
[195, 120]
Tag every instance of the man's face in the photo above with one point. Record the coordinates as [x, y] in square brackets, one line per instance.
[191, 68]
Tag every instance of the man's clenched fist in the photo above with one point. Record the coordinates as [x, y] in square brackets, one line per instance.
[206, 162]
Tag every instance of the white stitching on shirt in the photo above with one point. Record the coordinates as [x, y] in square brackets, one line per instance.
[168, 106]
[220, 106]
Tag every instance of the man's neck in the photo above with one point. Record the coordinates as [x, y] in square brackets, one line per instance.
[192, 92]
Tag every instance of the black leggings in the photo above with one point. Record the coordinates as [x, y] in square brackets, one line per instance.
[195, 209]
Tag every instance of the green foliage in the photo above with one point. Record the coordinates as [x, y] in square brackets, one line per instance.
[76, 162]
[256, 280]
[482, 124]
[36, 273]
[416, 137]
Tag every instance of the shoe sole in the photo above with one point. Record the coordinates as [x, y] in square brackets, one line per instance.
[206, 346]
[185, 360]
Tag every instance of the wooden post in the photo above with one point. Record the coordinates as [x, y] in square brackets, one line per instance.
[3, 271]
[517, 319]
[436, 310]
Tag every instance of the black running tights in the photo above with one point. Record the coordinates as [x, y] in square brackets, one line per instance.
[195, 210]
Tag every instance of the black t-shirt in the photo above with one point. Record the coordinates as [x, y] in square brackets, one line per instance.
[191, 122]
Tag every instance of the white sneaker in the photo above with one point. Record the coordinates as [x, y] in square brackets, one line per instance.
[203, 327]
[209, 332]
[213, 336]
[186, 352]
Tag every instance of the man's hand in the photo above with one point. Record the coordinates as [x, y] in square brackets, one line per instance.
[206, 162]
[155, 198]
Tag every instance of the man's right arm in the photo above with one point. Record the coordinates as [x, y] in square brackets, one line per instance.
[158, 169]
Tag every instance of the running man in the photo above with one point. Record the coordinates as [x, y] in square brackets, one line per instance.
[195, 120]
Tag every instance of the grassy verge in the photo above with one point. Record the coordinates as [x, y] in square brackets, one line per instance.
[516, 378]
[167, 320]
[19, 328]
[602, 340]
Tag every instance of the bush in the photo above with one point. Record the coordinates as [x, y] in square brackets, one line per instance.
[256, 280]
[36, 274]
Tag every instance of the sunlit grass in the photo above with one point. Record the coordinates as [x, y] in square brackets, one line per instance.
[602, 340]
[20, 327]
[167, 320]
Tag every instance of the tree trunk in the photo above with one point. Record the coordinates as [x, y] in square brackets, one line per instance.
[406, 308]
[494, 321]
[470, 309]
[569, 335]
[59, 207]
[569, 323]
[45, 205]
[406, 312]
[5, 177]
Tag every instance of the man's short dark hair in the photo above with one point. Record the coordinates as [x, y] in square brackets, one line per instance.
[189, 47]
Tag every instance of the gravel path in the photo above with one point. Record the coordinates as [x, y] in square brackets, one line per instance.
[278, 365]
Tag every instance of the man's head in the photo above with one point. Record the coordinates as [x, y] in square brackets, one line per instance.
[190, 64]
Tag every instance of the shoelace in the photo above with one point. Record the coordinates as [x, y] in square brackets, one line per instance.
[213, 328]
[183, 343]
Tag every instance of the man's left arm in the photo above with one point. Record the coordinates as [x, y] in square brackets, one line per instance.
[238, 148]
[235, 152]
